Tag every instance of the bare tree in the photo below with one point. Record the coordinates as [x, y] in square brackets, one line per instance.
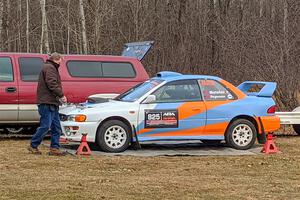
[27, 26]
[235, 39]
[1, 30]
[68, 31]
[44, 34]
[8, 36]
[261, 8]
[83, 26]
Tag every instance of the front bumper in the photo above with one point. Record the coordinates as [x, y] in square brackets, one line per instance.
[73, 131]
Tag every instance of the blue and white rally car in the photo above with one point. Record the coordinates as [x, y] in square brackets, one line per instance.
[172, 106]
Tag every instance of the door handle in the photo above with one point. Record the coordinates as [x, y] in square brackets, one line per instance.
[196, 108]
[11, 89]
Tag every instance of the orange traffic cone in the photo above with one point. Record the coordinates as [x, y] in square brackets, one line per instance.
[269, 146]
[84, 148]
[63, 140]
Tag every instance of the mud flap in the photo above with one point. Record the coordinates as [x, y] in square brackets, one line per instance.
[261, 138]
[134, 140]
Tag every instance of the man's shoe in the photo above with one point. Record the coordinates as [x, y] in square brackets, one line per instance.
[34, 150]
[56, 152]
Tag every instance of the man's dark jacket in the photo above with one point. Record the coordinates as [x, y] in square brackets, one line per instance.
[49, 89]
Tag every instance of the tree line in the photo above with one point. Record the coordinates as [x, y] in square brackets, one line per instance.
[235, 39]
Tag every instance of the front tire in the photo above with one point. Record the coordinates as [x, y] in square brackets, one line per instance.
[114, 136]
[241, 134]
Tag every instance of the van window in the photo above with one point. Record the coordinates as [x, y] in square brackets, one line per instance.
[95, 69]
[30, 68]
[6, 70]
[85, 69]
[118, 70]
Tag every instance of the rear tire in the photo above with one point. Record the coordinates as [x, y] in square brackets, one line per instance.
[241, 134]
[114, 136]
[296, 128]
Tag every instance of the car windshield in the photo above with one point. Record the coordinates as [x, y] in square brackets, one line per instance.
[138, 91]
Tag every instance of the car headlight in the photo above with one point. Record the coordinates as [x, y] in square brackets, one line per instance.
[77, 118]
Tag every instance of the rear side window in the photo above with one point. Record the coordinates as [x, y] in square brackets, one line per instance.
[213, 91]
[30, 68]
[6, 70]
[95, 69]
[85, 69]
[118, 70]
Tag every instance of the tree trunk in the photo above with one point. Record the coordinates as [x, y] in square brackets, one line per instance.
[285, 32]
[8, 26]
[285, 18]
[1, 25]
[44, 35]
[261, 8]
[97, 28]
[27, 26]
[68, 32]
[82, 18]
[241, 11]
[20, 27]
[273, 13]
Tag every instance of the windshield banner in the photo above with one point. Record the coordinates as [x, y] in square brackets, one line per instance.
[161, 118]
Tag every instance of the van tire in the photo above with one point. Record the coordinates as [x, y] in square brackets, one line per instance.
[114, 136]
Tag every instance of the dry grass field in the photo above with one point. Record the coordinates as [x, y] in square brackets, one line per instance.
[26, 176]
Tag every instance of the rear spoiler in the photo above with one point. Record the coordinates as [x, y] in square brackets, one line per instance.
[267, 88]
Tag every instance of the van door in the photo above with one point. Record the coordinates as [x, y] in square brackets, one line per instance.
[8, 91]
[29, 68]
[137, 49]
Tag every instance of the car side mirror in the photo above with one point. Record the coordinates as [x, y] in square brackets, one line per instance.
[150, 99]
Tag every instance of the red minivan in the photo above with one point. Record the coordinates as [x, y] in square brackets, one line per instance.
[82, 76]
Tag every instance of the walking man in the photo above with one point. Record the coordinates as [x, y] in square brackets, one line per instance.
[49, 97]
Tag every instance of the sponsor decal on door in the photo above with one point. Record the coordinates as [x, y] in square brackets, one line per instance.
[161, 118]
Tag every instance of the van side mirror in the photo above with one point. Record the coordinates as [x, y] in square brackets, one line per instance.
[150, 99]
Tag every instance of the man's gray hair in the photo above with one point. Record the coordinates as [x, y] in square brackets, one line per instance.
[55, 56]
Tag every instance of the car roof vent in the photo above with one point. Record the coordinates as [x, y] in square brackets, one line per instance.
[167, 73]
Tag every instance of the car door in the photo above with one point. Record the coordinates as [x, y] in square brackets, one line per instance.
[8, 91]
[177, 113]
[217, 100]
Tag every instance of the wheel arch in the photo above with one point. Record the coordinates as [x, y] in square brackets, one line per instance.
[246, 117]
[122, 119]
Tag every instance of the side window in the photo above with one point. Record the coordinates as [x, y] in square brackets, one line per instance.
[6, 70]
[85, 69]
[213, 90]
[30, 68]
[178, 91]
[118, 70]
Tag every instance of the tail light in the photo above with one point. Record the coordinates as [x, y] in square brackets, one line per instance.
[271, 110]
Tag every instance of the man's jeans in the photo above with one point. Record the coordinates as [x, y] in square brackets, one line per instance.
[49, 120]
